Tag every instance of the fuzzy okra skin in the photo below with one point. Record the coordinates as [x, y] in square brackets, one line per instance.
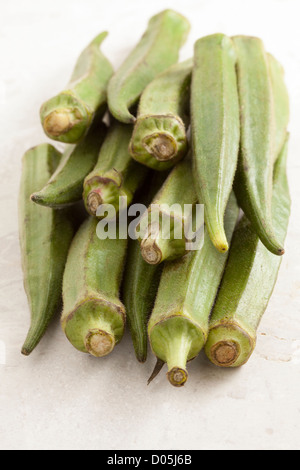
[67, 116]
[93, 317]
[66, 184]
[45, 237]
[178, 326]
[115, 174]
[215, 129]
[164, 226]
[155, 52]
[140, 281]
[281, 102]
[159, 137]
[248, 282]
[253, 179]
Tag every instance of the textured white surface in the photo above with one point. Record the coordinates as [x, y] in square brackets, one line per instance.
[59, 398]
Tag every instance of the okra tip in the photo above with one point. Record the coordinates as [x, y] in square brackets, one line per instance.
[177, 376]
[99, 343]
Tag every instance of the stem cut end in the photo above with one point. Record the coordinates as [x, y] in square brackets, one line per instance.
[177, 376]
[94, 200]
[99, 343]
[225, 353]
[162, 146]
[150, 251]
[58, 123]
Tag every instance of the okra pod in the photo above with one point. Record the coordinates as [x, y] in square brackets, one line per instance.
[155, 52]
[45, 237]
[253, 181]
[66, 184]
[140, 281]
[93, 316]
[248, 282]
[215, 129]
[115, 174]
[178, 326]
[159, 137]
[164, 226]
[281, 102]
[67, 116]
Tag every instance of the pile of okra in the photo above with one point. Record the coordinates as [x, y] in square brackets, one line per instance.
[208, 132]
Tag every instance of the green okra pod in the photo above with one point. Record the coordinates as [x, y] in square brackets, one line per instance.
[67, 116]
[156, 51]
[163, 228]
[253, 181]
[248, 282]
[159, 137]
[93, 316]
[178, 326]
[140, 281]
[214, 129]
[66, 184]
[281, 102]
[116, 175]
[45, 237]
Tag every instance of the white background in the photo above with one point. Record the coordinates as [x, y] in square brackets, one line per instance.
[59, 398]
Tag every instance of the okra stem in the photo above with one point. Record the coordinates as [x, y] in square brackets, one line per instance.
[93, 316]
[159, 137]
[179, 323]
[116, 175]
[165, 237]
[67, 116]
